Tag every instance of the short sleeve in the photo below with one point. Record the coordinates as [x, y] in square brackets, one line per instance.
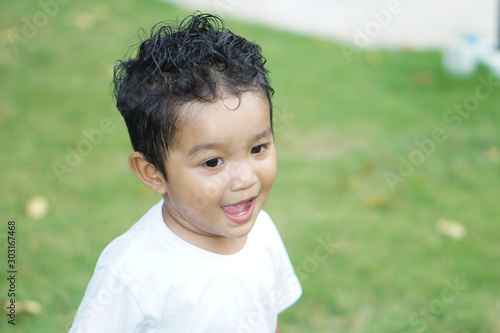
[287, 286]
[108, 306]
[288, 289]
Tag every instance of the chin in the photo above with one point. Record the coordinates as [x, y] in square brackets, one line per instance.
[241, 230]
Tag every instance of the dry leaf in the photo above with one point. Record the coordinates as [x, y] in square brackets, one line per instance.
[451, 229]
[493, 154]
[375, 202]
[84, 21]
[37, 207]
[28, 306]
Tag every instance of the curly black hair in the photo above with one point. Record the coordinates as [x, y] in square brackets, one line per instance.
[196, 60]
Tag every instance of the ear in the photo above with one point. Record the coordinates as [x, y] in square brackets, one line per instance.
[147, 173]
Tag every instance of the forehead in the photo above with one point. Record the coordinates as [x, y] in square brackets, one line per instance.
[228, 120]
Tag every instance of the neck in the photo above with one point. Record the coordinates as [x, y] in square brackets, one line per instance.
[199, 238]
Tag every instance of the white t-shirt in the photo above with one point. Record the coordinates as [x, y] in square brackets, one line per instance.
[151, 280]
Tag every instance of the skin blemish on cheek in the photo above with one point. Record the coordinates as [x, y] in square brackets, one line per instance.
[231, 102]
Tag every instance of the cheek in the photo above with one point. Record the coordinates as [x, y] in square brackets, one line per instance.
[212, 190]
[268, 172]
[200, 191]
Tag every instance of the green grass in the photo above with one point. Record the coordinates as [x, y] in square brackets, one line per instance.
[348, 124]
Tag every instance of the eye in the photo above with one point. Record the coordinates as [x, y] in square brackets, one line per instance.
[258, 149]
[213, 162]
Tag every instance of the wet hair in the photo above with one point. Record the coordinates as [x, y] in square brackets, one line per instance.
[196, 60]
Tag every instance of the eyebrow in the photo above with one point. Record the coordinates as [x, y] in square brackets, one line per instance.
[196, 149]
[265, 133]
[203, 146]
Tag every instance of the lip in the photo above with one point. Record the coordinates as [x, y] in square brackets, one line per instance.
[244, 216]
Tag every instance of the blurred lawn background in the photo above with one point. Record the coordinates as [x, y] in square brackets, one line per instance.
[341, 126]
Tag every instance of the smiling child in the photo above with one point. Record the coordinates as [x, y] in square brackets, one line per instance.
[197, 103]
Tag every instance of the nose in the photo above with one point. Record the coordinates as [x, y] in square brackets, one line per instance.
[243, 176]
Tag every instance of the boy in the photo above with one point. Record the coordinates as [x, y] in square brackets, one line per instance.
[206, 258]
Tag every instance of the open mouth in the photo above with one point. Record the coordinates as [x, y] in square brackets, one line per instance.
[240, 212]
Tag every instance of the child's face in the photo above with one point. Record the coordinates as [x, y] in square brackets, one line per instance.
[220, 170]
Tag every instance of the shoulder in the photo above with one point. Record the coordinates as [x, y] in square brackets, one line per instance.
[265, 226]
[265, 237]
[137, 239]
[264, 216]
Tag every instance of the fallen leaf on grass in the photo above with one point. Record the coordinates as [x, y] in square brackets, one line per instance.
[493, 154]
[37, 207]
[84, 21]
[375, 202]
[451, 229]
[28, 306]
[423, 79]
[374, 58]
